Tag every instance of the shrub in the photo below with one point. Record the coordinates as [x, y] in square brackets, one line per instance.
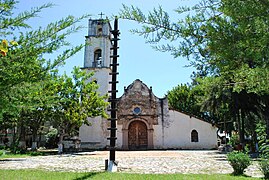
[239, 161]
[51, 138]
[234, 140]
[1, 152]
[14, 149]
[264, 166]
[35, 153]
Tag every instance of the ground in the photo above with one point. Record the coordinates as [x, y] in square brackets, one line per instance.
[183, 161]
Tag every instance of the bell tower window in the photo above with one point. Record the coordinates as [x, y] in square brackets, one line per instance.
[97, 58]
[99, 29]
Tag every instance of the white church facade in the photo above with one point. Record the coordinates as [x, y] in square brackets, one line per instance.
[144, 121]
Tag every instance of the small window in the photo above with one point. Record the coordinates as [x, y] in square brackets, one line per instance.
[137, 110]
[194, 136]
[99, 32]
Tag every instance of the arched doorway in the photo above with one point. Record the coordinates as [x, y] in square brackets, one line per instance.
[137, 135]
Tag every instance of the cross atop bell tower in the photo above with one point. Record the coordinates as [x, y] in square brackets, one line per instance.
[101, 15]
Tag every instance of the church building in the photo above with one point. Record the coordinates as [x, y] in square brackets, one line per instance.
[144, 121]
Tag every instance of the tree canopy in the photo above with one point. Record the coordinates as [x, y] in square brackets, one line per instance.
[31, 90]
[227, 42]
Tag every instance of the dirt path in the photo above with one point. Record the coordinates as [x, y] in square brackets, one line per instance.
[206, 162]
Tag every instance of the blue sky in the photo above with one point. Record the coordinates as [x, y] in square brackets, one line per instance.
[137, 59]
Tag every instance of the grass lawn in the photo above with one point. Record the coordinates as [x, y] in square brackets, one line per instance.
[13, 156]
[40, 175]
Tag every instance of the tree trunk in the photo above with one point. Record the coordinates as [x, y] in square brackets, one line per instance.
[14, 136]
[242, 115]
[60, 143]
[34, 140]
[22, 142]
[239, 126]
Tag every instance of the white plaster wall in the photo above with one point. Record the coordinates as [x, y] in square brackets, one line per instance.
[178, 134]
[102, 76]
[95, 135]
[158, 136]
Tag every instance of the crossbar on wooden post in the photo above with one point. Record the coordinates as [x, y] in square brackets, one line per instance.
[113, 98]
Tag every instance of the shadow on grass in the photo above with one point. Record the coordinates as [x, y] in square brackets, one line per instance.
[11, 159]
[88, 175]
[239, 175]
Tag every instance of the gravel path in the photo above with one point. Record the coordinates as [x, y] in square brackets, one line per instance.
[205, 162]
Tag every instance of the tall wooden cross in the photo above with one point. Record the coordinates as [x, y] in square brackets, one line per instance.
[101, 14]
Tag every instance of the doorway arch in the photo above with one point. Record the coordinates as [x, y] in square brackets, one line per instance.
[137, 135]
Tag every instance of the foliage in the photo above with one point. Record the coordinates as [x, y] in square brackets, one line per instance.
[239, 161]
[24, 65]
[264, 166]
[226, 41]
[15, 149]
[1, 152]
[39, 174]
[10, 155]
[77, 98]
[234, 140]
[35, 153]
[184, 99]
[263, 149]
[188, 99]
[31, 91]
[262, 141]
[51, 138]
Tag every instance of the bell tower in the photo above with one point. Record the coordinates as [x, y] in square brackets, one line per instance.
[97, 52]
[97, 59]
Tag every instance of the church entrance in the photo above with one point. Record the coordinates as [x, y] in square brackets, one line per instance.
[137, 135]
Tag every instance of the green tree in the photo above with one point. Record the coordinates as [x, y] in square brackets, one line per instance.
[31, 91]
[25, 64]
[187, 98]
[77, 99]
[41, 99]
[226, 40]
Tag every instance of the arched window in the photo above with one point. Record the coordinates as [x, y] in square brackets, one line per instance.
[194, 136]
[97, 58]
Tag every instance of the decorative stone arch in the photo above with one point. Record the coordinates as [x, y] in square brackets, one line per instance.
[125, 131]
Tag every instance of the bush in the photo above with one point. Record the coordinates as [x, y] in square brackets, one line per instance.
[1, 152]
[239, 161]
[264, 167]
[234, 140]
[51, 138]
[35, 153]
[14, 149]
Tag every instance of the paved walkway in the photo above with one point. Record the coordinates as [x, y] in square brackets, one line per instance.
[205, 162]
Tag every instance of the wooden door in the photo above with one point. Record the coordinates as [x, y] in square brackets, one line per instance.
[137, 135]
